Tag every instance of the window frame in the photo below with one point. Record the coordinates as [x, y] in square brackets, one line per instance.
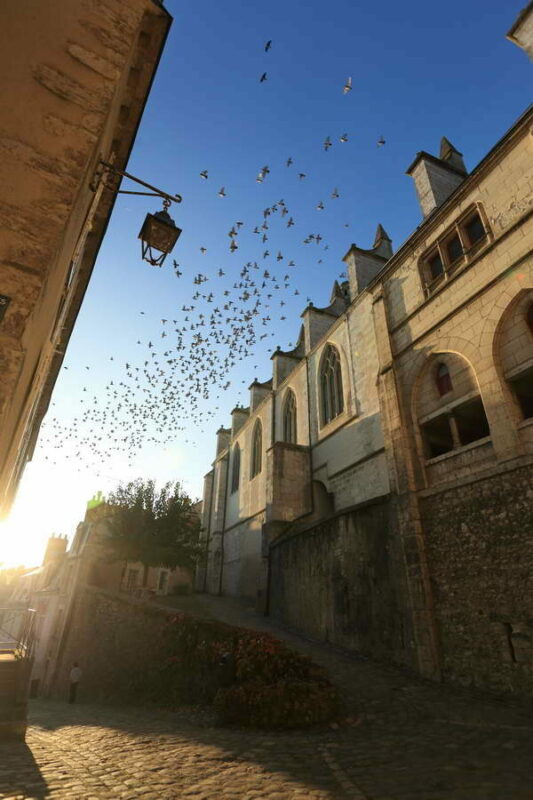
[235, 468]
[289, 418]
[440, 246]
[256, 454]
[331, 396]
[529, 317]
[441, 379]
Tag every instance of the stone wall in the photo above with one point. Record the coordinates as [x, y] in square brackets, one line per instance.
[342, 581]
[480, 551]
[112, 638]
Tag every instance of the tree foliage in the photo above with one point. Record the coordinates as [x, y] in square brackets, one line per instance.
[160, 528]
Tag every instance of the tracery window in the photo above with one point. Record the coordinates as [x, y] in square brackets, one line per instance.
[289, 418]
[236, 468]
[332, 400]
[443, 379]
[257, 450]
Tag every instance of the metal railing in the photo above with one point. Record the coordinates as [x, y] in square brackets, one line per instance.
[17, 631]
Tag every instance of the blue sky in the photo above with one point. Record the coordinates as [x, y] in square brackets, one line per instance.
[419, 70]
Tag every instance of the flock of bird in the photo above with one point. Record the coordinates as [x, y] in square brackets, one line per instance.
[176, 381]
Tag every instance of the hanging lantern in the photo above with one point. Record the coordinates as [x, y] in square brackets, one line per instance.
[159, 233]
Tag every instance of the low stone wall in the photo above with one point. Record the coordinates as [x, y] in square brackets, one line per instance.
[111, 637]
[342, 580]
[480, 549]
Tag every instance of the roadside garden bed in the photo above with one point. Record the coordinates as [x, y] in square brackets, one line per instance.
[250, 678]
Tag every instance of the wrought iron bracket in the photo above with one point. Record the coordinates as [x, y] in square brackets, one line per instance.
[106, 171]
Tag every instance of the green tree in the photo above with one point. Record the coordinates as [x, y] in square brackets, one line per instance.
[159, 528]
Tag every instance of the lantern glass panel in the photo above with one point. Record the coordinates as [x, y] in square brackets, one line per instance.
[159, 233]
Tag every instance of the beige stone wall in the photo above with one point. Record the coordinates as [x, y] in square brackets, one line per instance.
[74, 78]
[462, 510]
[505, 194]
[346, 455]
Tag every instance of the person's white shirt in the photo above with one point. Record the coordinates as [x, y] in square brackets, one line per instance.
[75, 674]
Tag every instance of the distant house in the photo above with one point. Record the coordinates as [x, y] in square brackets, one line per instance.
[52, 589]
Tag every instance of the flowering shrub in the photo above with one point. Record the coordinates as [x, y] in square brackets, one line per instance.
[285, 704]
[251, 677]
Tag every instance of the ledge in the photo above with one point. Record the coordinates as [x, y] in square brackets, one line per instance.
[459, 451]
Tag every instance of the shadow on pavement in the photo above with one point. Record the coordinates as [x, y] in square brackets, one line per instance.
[19, 772]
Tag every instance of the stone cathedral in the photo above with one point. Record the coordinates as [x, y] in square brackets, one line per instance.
[377, 493]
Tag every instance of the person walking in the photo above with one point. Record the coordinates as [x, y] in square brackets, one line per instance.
[75, 675]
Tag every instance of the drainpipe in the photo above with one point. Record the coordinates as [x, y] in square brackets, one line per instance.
[208, 533]
[226, 458]
[273, 424]
[309, 431]
[272, 442]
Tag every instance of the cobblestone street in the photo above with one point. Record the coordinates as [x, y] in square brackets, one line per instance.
[399, 739]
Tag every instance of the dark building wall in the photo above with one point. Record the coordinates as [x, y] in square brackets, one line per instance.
[480, 549]
[342, 581]
[113, 639]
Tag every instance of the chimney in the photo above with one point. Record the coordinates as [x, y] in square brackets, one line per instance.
[282, 366]
[239, 416]
[223, 437]
[522, 31]
[436, 178]
[55, 549]
[258, 392]
[364, 265]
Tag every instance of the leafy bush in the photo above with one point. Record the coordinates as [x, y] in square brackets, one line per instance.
[251, 677]
[285, 704]
[181, 589]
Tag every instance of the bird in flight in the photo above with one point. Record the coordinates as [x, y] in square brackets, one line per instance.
[381, 141]
[301, 175]
[263, 78]
[268, 45]
[335, 193]
[344, 137]
[222, 192]
[347, 86]
[203, 174]
[327, 143]
[289, 161]
[320, 206]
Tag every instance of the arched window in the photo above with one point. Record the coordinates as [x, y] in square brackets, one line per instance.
[236, 468]
[443, 379]
[257, 450]
[289, 418]
[332, 400]
[529, 317]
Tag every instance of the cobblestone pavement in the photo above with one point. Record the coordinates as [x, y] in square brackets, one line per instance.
[399, 739]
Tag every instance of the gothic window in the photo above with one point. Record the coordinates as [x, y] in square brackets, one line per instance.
[443, 379]
[236, 468]
[289, 418]
[257, 450]
[332, 400]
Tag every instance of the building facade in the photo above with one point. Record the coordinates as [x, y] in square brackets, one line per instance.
[56, 589]
[378, 490]
[75, 78]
